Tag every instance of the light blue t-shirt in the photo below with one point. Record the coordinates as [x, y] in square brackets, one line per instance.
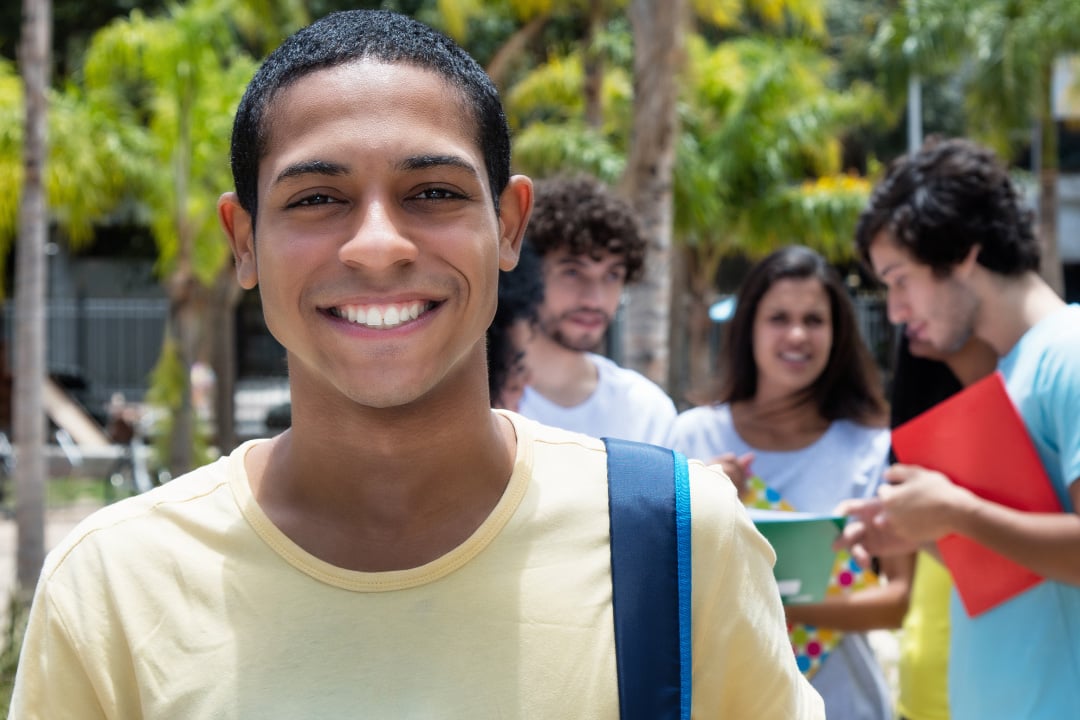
[1022, 658]
[846, 462]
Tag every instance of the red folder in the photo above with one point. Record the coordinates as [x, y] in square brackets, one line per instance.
[978, 440]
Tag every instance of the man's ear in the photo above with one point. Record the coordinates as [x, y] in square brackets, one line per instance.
[515, 207]
[966, 266]
[238, 226]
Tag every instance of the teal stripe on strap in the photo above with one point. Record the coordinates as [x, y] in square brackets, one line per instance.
[682, 528]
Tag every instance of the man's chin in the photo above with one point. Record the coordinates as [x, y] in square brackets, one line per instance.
[579, 344]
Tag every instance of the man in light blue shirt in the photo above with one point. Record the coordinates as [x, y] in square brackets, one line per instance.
[946, 231]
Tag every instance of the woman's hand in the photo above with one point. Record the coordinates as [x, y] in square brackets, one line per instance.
[736, 468]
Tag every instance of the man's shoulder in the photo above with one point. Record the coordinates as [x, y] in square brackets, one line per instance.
[129, 526]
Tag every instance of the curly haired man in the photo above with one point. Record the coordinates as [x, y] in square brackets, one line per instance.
[591, 246]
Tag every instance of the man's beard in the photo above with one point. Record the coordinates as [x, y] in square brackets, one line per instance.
[584, 343]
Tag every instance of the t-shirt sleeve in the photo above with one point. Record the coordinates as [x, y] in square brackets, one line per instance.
[744, 666]
[1061, 400]
[52, 681]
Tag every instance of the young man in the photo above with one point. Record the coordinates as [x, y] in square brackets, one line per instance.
[948, 235]
[402, 551]
[591, 247]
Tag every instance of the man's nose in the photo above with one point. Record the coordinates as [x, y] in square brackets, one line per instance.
[379, 240]
[896, 309]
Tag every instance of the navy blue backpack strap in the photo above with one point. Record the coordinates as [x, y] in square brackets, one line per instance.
[649, 506]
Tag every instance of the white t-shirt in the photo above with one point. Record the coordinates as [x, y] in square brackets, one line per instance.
[625, 405]
[846, 462]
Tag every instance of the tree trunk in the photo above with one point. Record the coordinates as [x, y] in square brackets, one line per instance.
[658, 55]
[222, 328]
[184, 330]
[679, 368]
[30, 281]
[499, 67]
[1052, 271]
[701, 281]
[183, 289]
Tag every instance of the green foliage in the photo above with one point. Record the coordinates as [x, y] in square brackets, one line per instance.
[12, 120]
[998, 50]
[821, 213]
[84, 180]
[553, 94]
[169, 383]
[178, 78]
[546, 108]
[759, 119]
[18, 610]
[542, 150]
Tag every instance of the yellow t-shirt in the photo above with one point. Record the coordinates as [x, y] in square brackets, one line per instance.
[924, 644]
[187, 602]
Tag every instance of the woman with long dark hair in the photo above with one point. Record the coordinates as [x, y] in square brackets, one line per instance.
[801, 405]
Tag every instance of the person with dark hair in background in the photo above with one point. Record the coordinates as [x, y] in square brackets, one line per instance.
[923, 377]
[402, 550]
[800, 394]
[591, 246]
[521, 291]
[948, 234]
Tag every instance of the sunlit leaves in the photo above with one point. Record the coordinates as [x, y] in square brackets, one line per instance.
[179, 78]
[760, 120]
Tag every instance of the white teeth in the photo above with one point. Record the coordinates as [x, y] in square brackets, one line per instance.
[380, 316]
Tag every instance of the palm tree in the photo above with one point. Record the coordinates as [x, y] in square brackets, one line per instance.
[1003, 52]
[29, 372]
[659, 33]
[179, 76]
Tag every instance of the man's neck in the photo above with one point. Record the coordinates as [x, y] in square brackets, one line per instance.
[1010, 306]
[564, 376]
[370, 489]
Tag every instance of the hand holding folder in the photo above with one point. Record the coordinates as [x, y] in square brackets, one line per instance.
[978, 440]
[804, 554]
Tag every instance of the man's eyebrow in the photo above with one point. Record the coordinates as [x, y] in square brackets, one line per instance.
[311, 167]
[888, 269]
[423, 162]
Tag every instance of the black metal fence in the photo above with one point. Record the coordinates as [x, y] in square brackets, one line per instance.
[97, 347]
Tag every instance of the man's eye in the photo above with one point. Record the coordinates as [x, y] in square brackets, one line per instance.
[315, 199]
[437, 194]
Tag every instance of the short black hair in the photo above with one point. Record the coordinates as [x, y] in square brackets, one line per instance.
[849, 388]
[521, 291]
[948, 197]
[343, 37]
[583, 215]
